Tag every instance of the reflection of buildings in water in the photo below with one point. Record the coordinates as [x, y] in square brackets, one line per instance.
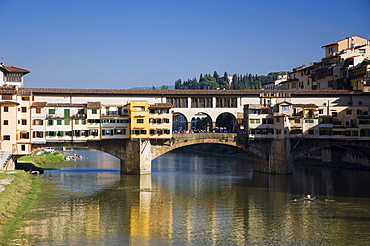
[142, 209]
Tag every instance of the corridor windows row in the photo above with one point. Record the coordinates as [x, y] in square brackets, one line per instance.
[201, 102]
[226, 102]
[204, 102]
[178, 102]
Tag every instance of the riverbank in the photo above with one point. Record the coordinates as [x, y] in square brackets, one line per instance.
[339, 165]
[45, 160]
[18, 192]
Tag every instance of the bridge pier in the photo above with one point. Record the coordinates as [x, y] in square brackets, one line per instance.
[137, 158]
[277, 157]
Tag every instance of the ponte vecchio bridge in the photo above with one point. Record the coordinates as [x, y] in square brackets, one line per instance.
[269, 125]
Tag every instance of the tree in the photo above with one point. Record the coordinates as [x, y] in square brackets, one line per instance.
[178, 84]
[164, 87]
[208, 83]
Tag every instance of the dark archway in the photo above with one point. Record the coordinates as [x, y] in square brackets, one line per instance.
[226, 121]
[179, 122]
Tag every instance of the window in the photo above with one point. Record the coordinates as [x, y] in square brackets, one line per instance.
[38, 110]
[334, 114]
[361, 51]
[23, 147]
[38, 122]
[6, 122]
[50, 122]
[24, 122]
[67, 113]
[285, 108]
[6, 137]
[59, 122]
[297, 121]
[94, 111]
[25, 98]
[6, 97]
[25, 135]
[138, 132]
[94, 132]
[77, 133]
[321, 111]
[24, 109]
[118, 132]
[37, 134]
[140, 121]
[348, 111]
[51, 111]
[6, 109]
[67, 122]
[77, 122]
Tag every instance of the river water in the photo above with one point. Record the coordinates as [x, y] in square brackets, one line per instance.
[198, 199]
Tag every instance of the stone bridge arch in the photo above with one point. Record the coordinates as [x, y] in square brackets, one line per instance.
[332, 150]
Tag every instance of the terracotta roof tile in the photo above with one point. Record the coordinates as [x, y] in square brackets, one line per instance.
[12, 69]
[9, 102]
[93, 105]
[177, 93]
[38, 104]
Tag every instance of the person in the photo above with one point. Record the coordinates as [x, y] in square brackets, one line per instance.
[308, 196]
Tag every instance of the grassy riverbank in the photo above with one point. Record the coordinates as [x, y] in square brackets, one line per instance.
[18, 192]
[45, 160]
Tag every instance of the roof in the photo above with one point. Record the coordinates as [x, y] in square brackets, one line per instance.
[178, 93]
[56, 105]
[309, 105]
[9, 102]
[94, 105]
[11, 69]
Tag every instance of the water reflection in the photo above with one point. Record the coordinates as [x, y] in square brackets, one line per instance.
[198, 199]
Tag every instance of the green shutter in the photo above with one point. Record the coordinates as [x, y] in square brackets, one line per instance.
[67, 113]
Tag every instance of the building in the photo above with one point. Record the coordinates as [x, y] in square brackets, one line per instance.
[10, 75]
[341, 68]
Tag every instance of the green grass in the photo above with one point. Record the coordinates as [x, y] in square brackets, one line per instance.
[16, 200]
[45, 160]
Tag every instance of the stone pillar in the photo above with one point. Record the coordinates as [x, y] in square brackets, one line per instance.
[213, 125]
[188, 125]
[326, 155]
[137, 158]
[278, 158]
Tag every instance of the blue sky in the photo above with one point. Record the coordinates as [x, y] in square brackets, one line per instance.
[135, 43]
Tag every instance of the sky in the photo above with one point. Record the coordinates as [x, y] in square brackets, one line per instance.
[123, 44]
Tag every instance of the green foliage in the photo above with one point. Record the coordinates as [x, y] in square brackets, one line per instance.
[43, 160]
[239, 82]
[164, 87]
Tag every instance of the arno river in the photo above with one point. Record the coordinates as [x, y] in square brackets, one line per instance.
[198, 199]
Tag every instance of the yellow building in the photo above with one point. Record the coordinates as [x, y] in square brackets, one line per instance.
[139, 119]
